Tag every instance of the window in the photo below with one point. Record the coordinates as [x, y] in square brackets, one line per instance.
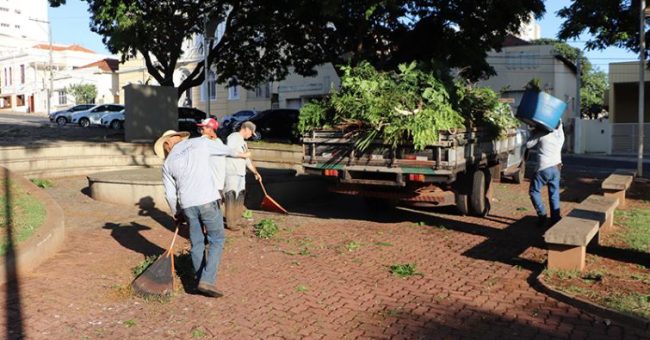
[22, 74]
[11, 75]
[20, 100]
[233, 92]
[4, 25]
[6, 77]
[263, 91]
[4, 9]
[63, 97]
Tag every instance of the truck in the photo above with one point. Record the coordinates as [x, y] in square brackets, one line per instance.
[456, 170]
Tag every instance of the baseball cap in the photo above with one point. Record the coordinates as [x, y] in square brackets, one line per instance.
[209, 122]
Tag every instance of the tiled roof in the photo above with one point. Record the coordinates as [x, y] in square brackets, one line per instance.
[76, 48]
[108, 65]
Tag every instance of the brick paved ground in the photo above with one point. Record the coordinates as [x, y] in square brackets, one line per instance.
[475, 277]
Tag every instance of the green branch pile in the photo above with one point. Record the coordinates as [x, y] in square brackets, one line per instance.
[406, 106]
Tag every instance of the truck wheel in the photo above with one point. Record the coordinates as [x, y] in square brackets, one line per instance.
[519, 176]
[462, 203]
[479, 204]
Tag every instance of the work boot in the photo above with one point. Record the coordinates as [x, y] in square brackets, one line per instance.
[230, 213]
[241, 197]
[209, 290]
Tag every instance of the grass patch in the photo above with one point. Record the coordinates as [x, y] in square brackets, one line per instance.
[301, 288]
[353, 245]
[266, 228]
[42, 183]
[637, 233]
[522, 209]
[142, 266]
[197, 333]
[403, 270]
[247, 214]
[384, 244]
[633, 303]
[129, 323]
[562, 274]
[26, 215]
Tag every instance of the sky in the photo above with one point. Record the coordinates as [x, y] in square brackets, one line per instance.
[70, 25]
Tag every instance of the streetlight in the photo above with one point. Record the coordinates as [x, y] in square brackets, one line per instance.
[49, 33]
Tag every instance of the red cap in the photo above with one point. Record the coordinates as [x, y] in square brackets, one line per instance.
[209, 122]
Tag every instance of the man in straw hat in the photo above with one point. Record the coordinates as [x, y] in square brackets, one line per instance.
[190, 190]
[235, 186]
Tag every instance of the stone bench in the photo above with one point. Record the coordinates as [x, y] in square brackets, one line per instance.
[567, 242]
[616, 184]
[597, 207]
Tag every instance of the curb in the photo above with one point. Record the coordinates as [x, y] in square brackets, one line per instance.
[41, 245]
[601, 311]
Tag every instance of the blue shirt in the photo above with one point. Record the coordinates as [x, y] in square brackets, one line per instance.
[188, 173]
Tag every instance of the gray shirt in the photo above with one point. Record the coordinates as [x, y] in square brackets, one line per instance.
[218, 166]
[237, 166]
[549, 147]
[188, 173]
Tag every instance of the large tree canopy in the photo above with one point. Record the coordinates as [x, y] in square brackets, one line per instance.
[263, 39]
[609, 22]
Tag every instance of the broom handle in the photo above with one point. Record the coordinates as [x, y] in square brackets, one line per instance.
[262, 185]
[170, 251]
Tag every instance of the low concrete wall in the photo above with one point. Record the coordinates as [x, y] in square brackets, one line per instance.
[41, 245]
[143, 187]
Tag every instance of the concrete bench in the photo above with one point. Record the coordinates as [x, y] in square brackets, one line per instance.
[616, 184]
[567, 242]
[600, 208]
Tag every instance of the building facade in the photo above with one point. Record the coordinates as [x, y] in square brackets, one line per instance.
[519, 62]
[28, 76]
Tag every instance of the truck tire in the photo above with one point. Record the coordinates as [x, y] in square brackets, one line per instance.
[479, 204]
[462, 201]
[518, 177]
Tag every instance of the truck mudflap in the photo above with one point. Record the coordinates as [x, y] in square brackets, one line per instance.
[429, 194]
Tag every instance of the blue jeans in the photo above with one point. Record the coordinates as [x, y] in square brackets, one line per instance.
[209, 216]
[550, 177]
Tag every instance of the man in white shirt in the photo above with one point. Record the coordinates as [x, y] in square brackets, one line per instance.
[192, 195]
[547, 171]
[235, 187]
[208, 129]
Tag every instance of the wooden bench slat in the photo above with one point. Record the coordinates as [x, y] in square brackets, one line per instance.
[572, 231]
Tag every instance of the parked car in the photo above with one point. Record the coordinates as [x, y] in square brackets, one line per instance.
[113, 120]
[94, 115]
[239, 116]
[273, 124]
[188, 117]
[62, 117]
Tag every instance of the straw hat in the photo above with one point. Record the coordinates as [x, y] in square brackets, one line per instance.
[158, 146]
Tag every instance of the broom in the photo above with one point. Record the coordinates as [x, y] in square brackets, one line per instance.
[269, 204]
[158, 278]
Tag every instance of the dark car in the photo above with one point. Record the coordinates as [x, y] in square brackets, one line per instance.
[275, 124]
[63, 117]
[188, 117]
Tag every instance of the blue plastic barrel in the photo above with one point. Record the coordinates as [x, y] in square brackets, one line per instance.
[540, 109]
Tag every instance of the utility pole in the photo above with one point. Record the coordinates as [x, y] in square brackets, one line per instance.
[639, 165]
[205, 66]
[577, 135]
[49, 33]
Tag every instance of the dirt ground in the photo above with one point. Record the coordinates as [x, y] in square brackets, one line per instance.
[324, 276]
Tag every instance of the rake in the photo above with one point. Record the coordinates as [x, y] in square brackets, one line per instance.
[158, 278]
[269, 204]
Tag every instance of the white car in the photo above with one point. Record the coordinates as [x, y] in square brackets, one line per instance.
[113, 120]
[94, 115]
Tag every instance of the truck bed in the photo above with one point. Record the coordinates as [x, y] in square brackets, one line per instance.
[453, 153]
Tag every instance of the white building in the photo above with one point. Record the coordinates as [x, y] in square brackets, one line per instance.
[23, 20]
[102, 74]
[529, 30]
[25, 75]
